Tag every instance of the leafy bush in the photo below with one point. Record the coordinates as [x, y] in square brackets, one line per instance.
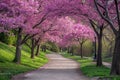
[8, 38]
[50, 46]
[55, 48]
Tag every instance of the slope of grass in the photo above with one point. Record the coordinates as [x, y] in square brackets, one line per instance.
[8, 68]
[89, 68]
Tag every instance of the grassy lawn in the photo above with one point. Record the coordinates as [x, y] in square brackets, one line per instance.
[109, 60]
[89, 69]
[8, 68]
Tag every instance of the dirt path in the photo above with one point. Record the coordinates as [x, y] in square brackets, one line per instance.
[108, 65]
[58, 68]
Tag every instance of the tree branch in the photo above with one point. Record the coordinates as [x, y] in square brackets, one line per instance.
[117, 11]
[106, 19]
[92, 24]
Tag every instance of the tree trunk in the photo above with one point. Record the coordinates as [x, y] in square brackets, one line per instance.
[94, 50]
[68, 49]
[72, 52]
[38, 50]
[61, 50]
[17, 58]
[115, 70]
[99, 54]
[45, 48]
[95, 55]
[32, 49]
[81, 52]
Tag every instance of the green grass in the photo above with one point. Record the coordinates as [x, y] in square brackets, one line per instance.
[107, 59]
[48, 52]
[8, 68]
[89, 68]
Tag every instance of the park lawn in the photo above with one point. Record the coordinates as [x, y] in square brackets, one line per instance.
[8, 68]
[109, 60]
[89, 68]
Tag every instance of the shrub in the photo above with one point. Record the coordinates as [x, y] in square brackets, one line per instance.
[8, 38]
[50, 46]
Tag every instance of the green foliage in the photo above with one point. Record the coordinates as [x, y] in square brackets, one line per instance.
[89, 68]
[8, 68]
[54, 48]
[87, 48]
[51, 46]
[8, 38]
[93, 71]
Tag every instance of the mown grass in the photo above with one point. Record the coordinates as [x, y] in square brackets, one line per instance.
[89, 68]
[8, 68]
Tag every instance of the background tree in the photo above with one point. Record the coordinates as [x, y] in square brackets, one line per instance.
[80, 33]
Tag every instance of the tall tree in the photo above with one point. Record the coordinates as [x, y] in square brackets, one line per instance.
[80, 33]
[109, 11]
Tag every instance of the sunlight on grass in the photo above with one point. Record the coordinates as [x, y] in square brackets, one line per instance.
[8, 68]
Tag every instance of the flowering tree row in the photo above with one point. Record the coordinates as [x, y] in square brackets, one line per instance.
[42, 19]
[99, 13]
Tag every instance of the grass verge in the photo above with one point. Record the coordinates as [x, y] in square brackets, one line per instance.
[89, 68]
[8, 68]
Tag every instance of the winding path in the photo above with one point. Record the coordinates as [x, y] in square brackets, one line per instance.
[58, 68]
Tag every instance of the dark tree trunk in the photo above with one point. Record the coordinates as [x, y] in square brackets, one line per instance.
[72, 52]
[17, 58]
[99, 34]
[81, 52]
[38, 50]
[95, 50]
[115, 70]
[32, 49]
[61, 50]
[110, 51]
[68, 49]
[99, 54]
[45, 49]
[42, 48]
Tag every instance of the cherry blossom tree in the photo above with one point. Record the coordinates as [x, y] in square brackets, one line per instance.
[21, 16]
[50, 29]
[80, 33]
[109, 12]
[46, 26]
[61, 27]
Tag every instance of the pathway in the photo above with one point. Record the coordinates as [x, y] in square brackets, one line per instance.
[108, 65]
[58, 68]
